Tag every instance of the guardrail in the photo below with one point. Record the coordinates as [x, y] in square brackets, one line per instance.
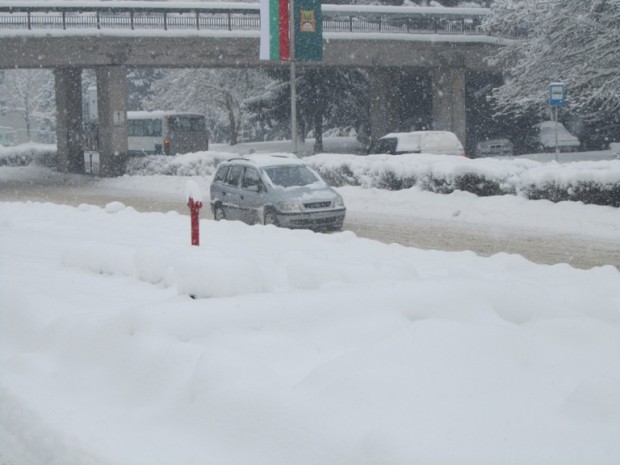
[137, 16]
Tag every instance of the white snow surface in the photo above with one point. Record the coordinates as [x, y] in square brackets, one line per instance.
[300, 347]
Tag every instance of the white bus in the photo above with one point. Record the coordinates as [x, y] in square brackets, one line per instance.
[165, 133]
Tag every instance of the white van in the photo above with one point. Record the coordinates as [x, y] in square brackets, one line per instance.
[433, 142]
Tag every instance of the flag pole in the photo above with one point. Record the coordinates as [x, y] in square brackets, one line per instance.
[292, 77]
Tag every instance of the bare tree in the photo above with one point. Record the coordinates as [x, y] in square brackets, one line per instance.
[218, 94]
[31, 93]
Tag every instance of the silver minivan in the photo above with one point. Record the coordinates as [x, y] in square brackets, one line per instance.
[275, 189]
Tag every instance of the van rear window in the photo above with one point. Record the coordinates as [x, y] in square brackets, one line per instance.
[186, 123]
[385, 145]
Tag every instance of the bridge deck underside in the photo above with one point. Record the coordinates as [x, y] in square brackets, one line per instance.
[227, 51]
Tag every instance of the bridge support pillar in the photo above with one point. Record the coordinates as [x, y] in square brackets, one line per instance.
[384, 101]
[68, 87]
[449, 101]
[112, 114]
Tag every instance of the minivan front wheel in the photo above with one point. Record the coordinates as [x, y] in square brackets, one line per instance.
[270, 218]
[218, 214]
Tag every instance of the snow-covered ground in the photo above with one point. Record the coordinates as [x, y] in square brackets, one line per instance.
[299, 347]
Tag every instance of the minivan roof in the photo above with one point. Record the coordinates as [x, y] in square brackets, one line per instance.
[263, 160]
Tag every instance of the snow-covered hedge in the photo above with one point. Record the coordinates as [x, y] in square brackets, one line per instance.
[595, 182]
[191, 164]
[28, 154]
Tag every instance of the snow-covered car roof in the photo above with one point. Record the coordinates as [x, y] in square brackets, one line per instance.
[547, 134]
[263, 160]
[413, 140]
[156, 114]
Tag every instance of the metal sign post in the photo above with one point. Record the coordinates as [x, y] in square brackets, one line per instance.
[557, 98]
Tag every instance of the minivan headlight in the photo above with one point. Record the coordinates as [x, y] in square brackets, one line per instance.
[339, 202]
[289, 207]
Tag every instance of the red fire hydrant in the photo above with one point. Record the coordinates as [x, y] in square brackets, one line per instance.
[194, 208]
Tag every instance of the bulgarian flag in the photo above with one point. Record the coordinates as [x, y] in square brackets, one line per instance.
[274, 30]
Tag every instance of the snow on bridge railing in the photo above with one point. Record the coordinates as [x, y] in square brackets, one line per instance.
[230, 16]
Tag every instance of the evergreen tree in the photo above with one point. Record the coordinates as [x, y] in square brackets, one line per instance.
[327, 98]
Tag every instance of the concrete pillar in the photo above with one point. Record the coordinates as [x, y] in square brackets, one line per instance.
[449, 101]
[384, 101]
[68, 86]
[112, 114]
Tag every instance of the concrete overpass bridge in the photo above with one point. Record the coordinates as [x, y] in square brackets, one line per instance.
[111, 36]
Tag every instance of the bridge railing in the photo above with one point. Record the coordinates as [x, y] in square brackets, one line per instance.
[115, 15]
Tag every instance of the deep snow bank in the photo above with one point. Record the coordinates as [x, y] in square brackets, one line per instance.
[303, 348]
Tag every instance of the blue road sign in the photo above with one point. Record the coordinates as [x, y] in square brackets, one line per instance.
[557, 94]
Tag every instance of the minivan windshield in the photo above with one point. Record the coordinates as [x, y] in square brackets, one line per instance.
[290, 175]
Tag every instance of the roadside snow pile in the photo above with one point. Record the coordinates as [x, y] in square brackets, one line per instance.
[28, 154]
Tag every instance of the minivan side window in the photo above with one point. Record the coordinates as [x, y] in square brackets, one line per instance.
[250, 178]
[234, 175]
[221, 173]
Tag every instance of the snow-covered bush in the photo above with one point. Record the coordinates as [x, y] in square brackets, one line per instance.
[193, 164]
[28, 154]
[580, 191]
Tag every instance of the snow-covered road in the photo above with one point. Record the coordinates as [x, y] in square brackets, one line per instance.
[540, 245]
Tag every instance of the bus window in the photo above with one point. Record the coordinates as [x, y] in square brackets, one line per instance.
[144, 128]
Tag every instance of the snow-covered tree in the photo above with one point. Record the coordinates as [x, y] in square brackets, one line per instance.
[572, 41]
[139, 86]
[217, 93]
[31, 93]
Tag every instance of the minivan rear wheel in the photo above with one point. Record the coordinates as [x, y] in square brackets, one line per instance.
[218, 214]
